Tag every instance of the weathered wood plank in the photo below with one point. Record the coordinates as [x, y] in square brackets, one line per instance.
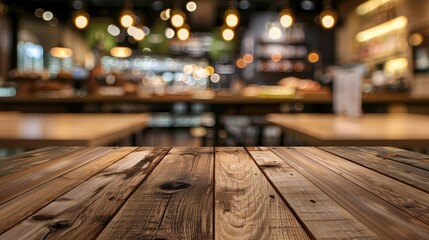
[413, 176]
[385, 219]
[409, 199]
[246, 205]
[83, 212]
[175, 202]
[25, 154]
[415, 159]
[22, 161]
[321, 215]
[31, 201]
[15, 184]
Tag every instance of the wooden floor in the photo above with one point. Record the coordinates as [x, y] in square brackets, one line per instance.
[215, 193]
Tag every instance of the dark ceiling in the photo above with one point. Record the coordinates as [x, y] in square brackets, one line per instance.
[208, 15]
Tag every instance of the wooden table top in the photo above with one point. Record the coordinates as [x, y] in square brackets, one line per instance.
[399, 130]
[215, 193]
[41, 130]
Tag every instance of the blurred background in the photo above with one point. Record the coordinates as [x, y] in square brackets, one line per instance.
[185, 61]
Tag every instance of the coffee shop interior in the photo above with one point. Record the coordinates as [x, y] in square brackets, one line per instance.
[214, 72]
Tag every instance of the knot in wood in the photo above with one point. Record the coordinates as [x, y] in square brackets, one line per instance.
[174, 186]
[59, 225]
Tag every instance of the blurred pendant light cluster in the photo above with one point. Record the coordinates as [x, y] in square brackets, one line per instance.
[131, 26]
[232, 18]
[328, 17]
[286, 16]
[177, 20]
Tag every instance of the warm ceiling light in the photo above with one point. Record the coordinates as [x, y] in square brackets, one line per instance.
[61, 52]
[121, 52]
[81, 22]
[209, 70]
[113, 30]
[169, 33]
[127, 19]
[47, 15]
[138, 33]
[415, 39]
[370, 6]
[328, 18]
[248, 58]
[191, 6]
[188, 69]
[240, 63]
[228, 34]
[276, 57]
[231, 18]
[286, 18]
[394, 24]
[215, 78]
[313, 57]
[131, 30]
[183, 33]
[275, 32]
[81, 19]
[177, 18]
[396, 67]
[165, 15]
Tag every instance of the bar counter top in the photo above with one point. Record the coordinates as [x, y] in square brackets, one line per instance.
[215, 193]
[221, 97]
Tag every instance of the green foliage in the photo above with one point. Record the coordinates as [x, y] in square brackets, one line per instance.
[156, 40]
[220, 47]
[98, 37]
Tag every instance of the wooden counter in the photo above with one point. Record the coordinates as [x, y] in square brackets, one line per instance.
[399, 130]
[41, 130]
[215, 193]
[223, 97]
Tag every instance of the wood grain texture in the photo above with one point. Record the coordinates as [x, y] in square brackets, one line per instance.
[246, 205]
[22, 161]
[15, 184]
[415, 159]
[214, 193]
[321, 215]
[409, 199]
[29, 202]
[175, 202]
[83, 212]
[386, 220]
[405, 173]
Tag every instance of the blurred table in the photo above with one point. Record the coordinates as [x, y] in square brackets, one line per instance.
[40, 130]
[393, 129]
[222, 193]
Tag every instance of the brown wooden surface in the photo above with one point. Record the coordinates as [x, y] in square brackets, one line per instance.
[398, 130]
[215, 193]
[220, 97]
[41, 130]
